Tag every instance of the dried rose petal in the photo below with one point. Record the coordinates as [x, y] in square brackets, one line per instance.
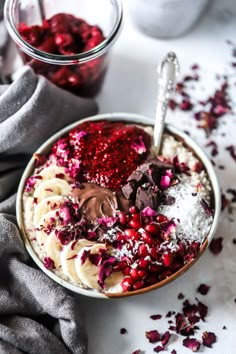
[105, 270]
[149, 212]
[216, 245]
[232, 151]
[139, 146]
[156, 317]
[214, 146]
[153, 336]
[48, 263]
[107, 221]
[173, 351]
[39, 159]
[123, 331]
[180, 296]
[165, 182]
[203, 289]
[206, 207]
[203, 310]
[192, 343]
[138, 351]
[208, 338]
[158, 349]
[165, 338]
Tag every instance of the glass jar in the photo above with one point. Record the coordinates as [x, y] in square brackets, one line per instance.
[67, 41]
[165, 18]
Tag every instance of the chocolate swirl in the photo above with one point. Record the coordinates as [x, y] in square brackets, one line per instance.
[97, 202]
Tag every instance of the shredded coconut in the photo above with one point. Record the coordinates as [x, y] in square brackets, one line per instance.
[192, 223]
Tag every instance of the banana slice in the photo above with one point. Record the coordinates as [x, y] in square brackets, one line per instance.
[46, 205]
[89, 273]
[46, 220]
[53, 249]
[68, 258]
[54, 171]
[51, 187]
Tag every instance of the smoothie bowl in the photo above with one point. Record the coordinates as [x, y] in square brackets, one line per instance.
[105, 216]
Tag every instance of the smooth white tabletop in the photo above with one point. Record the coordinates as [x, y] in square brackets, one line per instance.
[130, 86]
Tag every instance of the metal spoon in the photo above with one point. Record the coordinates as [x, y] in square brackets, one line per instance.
[167, 74]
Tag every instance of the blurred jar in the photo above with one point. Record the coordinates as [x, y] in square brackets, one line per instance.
[165, 18]
[67, 41]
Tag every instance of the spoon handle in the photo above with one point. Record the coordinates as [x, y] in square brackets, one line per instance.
[167, 73]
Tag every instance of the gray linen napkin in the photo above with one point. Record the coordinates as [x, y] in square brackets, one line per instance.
[36, 314]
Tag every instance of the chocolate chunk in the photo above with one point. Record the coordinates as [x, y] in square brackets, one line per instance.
[146, 197]
[136, 176]
[129, 190]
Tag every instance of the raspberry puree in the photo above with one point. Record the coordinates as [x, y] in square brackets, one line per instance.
[108, 152]
[64, 34]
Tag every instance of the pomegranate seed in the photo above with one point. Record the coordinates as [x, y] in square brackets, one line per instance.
[152, 229]
[133, 210]
[130, 233]
[127, 283]
[176, 266]
[139, 284]
[135, 224]
[120, 266]
[154, 253]
[147, 238]
[165, 274]
[142, 251]
[181, 249]
[136, 217]
[142, 273]
[120, 237]
[152, 279]
[143, 263]
[122, 217]
[134, 273]
[155, 268]
[161, 218]
[127, 270]
[167, 258]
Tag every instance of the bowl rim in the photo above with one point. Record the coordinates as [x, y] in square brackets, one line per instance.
[130, 118]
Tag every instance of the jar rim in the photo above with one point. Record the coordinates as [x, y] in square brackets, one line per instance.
[50, 58]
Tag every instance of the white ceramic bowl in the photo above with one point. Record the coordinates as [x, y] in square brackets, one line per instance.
[130, 118]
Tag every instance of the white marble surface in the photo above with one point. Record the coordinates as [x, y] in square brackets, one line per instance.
[130, 86]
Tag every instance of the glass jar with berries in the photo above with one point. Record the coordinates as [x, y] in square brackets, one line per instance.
[67, 41]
